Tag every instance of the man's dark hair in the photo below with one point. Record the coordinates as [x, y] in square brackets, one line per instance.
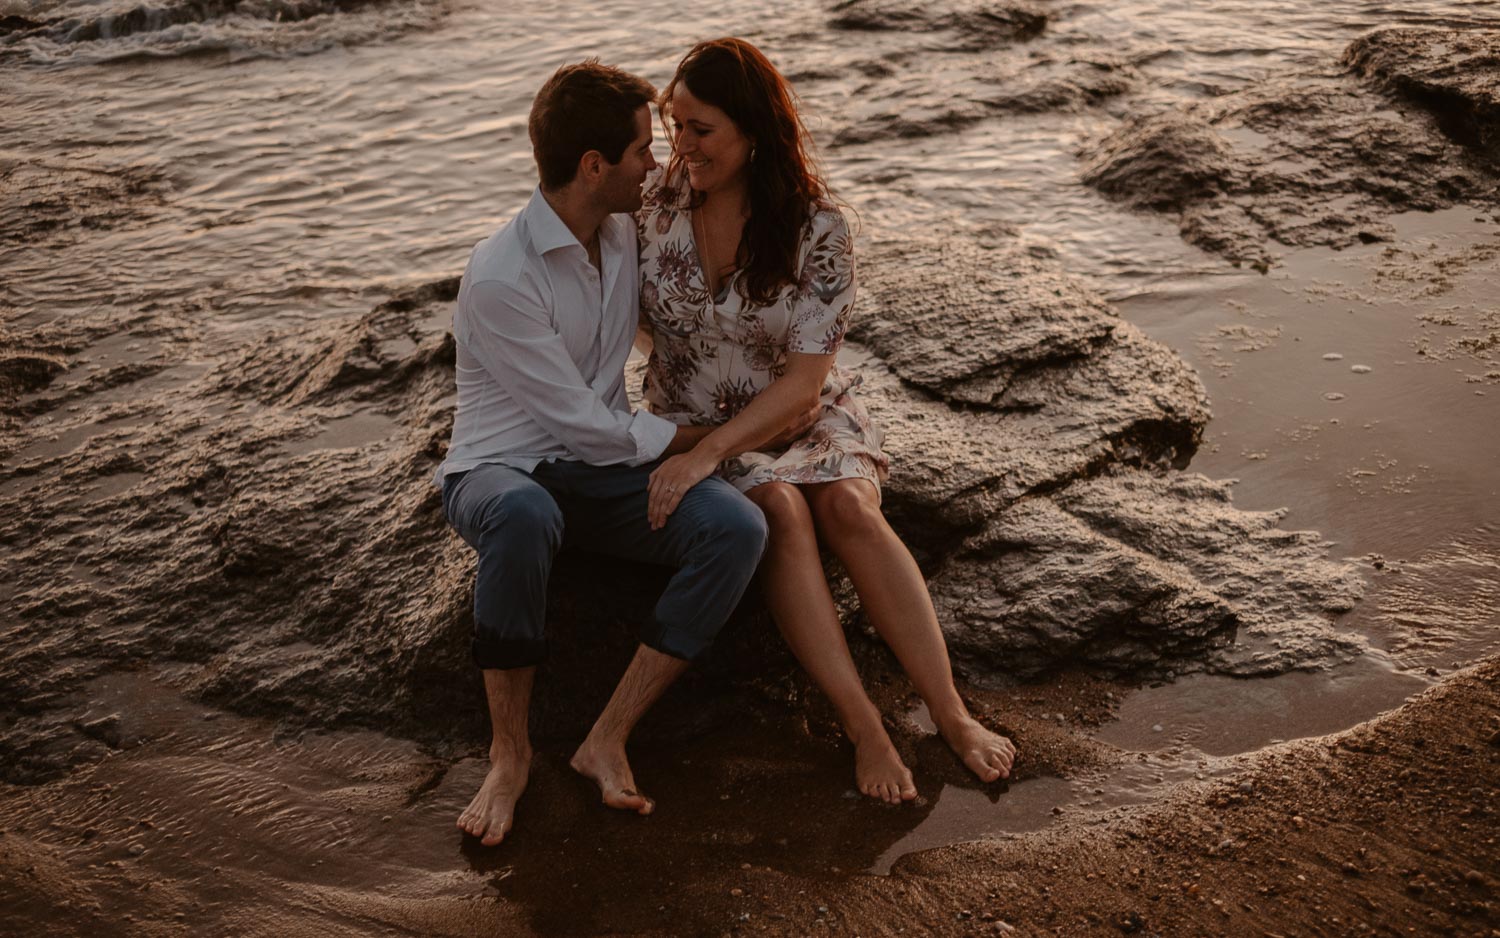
[584, 107]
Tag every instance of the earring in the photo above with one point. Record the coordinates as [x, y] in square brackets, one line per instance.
[752, 153]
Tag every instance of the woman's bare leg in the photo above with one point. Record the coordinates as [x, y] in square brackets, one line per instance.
[894, 596]
[792, 576]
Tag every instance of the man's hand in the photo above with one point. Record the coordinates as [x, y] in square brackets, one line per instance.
[671, 481]
[797, 429]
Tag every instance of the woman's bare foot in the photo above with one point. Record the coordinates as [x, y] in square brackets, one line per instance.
[878, 769]
[987, 754]
[491, 814]
[610, 770]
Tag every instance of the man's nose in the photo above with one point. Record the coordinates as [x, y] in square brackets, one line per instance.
[650, 160]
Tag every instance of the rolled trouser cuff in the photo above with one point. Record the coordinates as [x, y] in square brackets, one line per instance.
[505, 654]
[674, 644]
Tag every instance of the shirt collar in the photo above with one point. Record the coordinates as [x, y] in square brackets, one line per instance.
[548, 231]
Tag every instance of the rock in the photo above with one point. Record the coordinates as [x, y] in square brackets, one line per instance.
[910, 99]
[1166, 162]
[1034, 437]
[1332, 357]
[1452, 73]
[1318, 157]
[1361, 369]
[105, 729]
[21, 372]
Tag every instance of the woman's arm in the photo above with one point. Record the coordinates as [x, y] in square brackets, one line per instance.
[786, 401]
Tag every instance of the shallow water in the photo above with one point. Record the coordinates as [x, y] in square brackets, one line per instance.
[304, 160]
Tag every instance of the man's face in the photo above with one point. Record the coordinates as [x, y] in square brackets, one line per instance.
[623, 181]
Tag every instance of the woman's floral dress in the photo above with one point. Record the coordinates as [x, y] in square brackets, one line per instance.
[713, 355]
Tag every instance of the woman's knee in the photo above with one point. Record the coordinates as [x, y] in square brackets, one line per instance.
[848, 507]
[782, 504]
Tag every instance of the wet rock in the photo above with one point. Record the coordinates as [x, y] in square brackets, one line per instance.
[21, 372]
[1316, 157]
[1164, 162]
[1039, 582]
[105, 729]
[1014, 401]
[1048, 385]
[1033, 435]
[1454, 74]
[967, 338]
[924, 98]
[979, 25]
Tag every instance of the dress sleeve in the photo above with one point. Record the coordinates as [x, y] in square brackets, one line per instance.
[824, 297]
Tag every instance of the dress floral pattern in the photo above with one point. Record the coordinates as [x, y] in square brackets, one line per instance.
[712, 355]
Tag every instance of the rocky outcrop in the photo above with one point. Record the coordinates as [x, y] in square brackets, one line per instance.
[268, 520]
[915, 99]
[1035, 437]
[1319, 158]
[1453, 74]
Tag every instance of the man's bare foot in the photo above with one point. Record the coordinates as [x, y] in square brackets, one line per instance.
[987, 754]
[492, 813]
[879, 771]
[610, 770]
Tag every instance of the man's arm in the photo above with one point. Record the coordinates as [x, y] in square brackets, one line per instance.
[513, 338]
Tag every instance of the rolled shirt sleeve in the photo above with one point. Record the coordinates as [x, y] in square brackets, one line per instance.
[513, 338]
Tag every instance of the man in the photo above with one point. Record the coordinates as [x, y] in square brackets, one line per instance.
[545, 445]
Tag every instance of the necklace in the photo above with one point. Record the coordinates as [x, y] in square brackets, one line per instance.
[706, 257]
[720, 351]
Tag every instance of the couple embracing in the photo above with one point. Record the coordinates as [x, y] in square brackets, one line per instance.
[733, 271]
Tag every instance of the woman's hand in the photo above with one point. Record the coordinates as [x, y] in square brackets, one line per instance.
[671, 481]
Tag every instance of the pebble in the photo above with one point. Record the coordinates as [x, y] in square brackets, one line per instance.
[1361, 369]
[1156, 728]
[736, 892]
[1247, 787]
[1332, 357]
[137, 849]
[1333, 396]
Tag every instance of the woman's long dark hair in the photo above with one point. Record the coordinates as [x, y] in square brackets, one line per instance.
[735, 77]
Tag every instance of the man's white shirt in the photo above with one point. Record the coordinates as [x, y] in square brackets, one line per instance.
[542, 341]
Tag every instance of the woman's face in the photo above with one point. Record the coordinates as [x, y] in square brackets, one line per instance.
[716, 153]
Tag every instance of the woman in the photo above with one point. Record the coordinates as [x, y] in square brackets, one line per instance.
[747, 283]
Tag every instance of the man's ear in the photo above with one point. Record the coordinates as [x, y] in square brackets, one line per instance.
[591, 166]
